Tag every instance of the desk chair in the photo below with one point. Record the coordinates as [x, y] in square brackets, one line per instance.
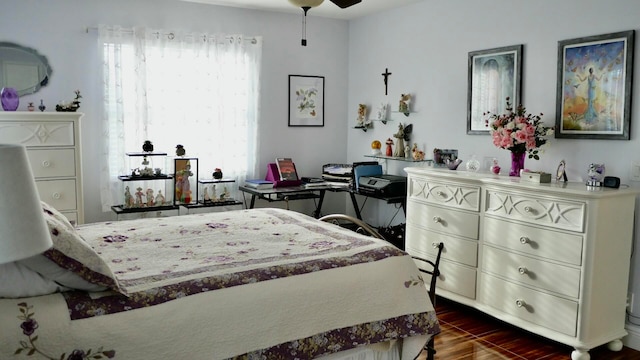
[364, 228]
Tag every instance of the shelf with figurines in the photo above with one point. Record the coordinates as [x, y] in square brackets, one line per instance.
[402, 152]
[148, 186]
[217, 191]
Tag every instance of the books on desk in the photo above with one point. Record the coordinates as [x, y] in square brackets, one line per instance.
[313, 182]
[258, 184]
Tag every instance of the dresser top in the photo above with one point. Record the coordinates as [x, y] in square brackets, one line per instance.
[38, 115]
[512, 182]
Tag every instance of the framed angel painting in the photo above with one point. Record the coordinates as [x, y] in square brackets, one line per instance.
[593, 96]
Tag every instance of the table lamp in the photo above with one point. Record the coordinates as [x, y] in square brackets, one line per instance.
[23, 229]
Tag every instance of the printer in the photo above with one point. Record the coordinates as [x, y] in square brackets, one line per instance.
[385, 186]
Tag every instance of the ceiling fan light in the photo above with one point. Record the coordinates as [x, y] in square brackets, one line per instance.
[306, 3]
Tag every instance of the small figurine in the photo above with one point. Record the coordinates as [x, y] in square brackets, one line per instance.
[407, 151]
[158, 171]
[145, 161]
[362, 114]
[41, 107]
[70, 107]
[139, 194]
[405, 100]
[382, 112]
[206, 197]
[495, 168]
[389, 151]
[417, 154]
[375, 147]
[159, 198]
[213, 192]
[225, 194]
[128, 198]
[180, 151]
[147, 146]
[150, 198]
[217, 174]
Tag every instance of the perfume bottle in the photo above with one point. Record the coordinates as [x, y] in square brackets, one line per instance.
[473, 164]
[41, 107]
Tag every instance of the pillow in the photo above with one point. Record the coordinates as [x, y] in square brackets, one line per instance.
[70, 253]
[17, 281]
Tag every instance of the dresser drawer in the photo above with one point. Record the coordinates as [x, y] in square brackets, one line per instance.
[533, 306]
[423, 243]
[548, 244]
[453, 277]
[31, 133]
[449, 221]
[560, 279]
[452, 195]
[52, 163]
[557, 213]
[61, 194]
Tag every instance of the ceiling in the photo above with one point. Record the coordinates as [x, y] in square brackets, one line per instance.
[326, 9]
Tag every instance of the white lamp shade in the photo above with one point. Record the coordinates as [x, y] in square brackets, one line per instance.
[303, 3]
[23, 229]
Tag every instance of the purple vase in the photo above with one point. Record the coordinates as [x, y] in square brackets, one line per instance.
[517, 163]
[9, 98]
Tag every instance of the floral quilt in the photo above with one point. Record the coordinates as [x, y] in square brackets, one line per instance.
[261, 283]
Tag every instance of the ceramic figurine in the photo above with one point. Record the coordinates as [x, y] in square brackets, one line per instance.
[159, 198]
[382, 112]
[362, 115]
[150, 198]
[389, 151]
[206, 197]
[403, 107]
[407, 151]
[217, 174]
[128, 198]
[139, 195]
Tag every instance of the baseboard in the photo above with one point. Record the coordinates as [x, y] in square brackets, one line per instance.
[633, 339]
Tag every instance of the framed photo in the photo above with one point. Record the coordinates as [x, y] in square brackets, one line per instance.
[593, 97]
[306, 100]
[494, 76]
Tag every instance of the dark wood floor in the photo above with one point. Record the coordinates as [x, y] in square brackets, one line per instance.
[469, 334]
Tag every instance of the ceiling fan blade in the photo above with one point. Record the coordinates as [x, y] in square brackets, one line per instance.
[345, 3]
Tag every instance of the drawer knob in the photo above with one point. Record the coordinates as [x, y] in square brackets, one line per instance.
[442, 194]
[520, 303]
[46, 164]
[435, 245]
[56, 195]
[437, 219]
[522, 270]
[524, 240]
[528, 209]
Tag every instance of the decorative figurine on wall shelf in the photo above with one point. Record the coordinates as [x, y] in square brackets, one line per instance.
[180, 151]
[389, 143]
[361, 120]
[405, 100]
[402, 135]
[407, 151]
[376, 145]
[417, 154]
[147, 146]
[70, 107]
[381, 113]
[217, 173]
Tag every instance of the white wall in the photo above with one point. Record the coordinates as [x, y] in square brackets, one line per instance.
[426, 46]
[57, 30]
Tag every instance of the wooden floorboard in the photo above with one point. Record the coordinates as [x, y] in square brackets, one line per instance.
[468, 334]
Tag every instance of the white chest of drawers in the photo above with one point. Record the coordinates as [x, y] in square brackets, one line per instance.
[550, 258]
[53, 146]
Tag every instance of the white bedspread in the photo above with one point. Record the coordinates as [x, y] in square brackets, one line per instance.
[262, 283]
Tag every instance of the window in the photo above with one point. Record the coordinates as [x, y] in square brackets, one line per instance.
[197, 90]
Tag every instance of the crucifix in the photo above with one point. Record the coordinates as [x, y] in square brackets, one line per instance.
[386, 74]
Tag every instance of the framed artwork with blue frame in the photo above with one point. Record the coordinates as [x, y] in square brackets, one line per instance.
[593, 96]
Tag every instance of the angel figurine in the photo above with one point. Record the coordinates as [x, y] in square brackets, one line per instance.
[402, 135]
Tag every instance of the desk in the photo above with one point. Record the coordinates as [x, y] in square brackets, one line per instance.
[301, 193]
[287, 194]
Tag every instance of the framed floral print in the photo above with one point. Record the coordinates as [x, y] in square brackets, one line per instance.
[306, 100]
[593, 96]
[494, 75]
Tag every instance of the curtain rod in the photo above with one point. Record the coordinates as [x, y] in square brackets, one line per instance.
[170, 35]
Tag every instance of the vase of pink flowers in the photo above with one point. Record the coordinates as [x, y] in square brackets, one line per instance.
[519, 132]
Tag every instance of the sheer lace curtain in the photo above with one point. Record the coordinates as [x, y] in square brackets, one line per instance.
[197, 90]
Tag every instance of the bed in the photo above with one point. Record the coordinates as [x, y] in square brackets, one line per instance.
[245, 284]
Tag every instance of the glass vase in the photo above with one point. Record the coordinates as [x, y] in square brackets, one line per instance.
[9, 98]
[517, 163]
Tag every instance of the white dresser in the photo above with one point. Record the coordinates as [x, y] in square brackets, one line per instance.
[53, 146]
[550, 258]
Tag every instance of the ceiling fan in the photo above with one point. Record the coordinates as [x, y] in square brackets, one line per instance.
[305, 5]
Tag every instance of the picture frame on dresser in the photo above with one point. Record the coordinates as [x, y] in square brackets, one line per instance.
[593, 95]
[306, 100]
[493, 76]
